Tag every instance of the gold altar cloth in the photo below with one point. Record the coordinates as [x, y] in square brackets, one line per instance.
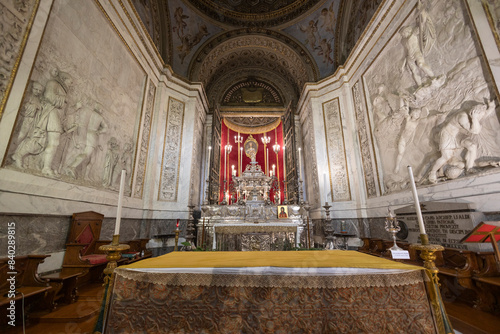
[288, 259]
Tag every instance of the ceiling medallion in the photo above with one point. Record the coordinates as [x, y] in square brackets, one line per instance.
[262, 13]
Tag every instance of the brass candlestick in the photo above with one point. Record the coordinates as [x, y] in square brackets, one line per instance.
[176, 238]
[113, 254]
[427, 253]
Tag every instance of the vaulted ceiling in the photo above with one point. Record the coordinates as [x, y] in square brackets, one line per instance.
[264, 46]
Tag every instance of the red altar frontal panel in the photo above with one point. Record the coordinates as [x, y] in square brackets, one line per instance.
[239, 160]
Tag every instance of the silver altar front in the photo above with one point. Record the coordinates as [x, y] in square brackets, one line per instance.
[251, 222]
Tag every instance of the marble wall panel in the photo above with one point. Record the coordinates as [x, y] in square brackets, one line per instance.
[79, 118]
[431, 100]
[172, 147]
[144, 141]
[35, 234]
[364, 135]
[16, 19]
[310, 161]
[335, 150]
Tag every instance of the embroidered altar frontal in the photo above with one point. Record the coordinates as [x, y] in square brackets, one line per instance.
[265, 296]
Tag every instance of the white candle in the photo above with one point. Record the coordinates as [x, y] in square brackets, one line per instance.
[225, 162]
[300, 164]
[208, 163]
[241, 160]
[273, 169]
[267, 160]
[417, 203]
[120, 200]
[324, 181]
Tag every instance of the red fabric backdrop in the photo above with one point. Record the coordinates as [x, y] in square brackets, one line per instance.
[228, 136]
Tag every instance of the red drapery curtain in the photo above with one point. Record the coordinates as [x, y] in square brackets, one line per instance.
[236, 155]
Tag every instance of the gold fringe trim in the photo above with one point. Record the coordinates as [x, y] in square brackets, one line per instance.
[315, 282]
[251, 130]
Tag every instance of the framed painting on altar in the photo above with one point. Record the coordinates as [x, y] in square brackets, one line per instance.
[282, 211]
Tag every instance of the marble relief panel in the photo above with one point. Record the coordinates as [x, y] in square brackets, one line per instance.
[335, 150]
[431, 100]
[144, 141]
[172, 146]
[363, 127]
[196, 161]
[16, 18]
[80, 114]
[310, 161]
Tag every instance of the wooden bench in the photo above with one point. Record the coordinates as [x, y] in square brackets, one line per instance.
[64, 285]
[137, 251]
[35, 291]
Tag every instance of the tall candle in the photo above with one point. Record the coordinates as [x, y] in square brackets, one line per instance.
[177, 225]
[300, 164]
[267, 153]
[326, 189]
[120, 201]
[284, 163]
[241, 160]
[208, 163]
[417, 203]
[225, 162]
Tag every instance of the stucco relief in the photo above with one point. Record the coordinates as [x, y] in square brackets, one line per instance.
[335, 148]
[436, 112]
[77, 121]
[15, 21]
[144, 145]
[365, 143]
[310, 161]
[172, 146]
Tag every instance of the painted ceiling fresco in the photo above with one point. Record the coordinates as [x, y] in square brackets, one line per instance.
[317, 33]
[200, 30]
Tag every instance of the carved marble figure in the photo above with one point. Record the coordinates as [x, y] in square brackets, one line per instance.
[453, 141]
[110, 162]
[96, 125]
[407, 133]
[30, 110]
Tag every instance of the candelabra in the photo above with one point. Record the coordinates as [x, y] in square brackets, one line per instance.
[392, 226]
[276, 148]
[238, 139]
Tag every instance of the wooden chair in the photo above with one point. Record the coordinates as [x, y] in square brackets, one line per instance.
[82, 250]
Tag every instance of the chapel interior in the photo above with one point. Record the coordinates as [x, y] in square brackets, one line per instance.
[214, 126]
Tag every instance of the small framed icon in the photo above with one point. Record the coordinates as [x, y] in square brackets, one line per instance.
[282, 211]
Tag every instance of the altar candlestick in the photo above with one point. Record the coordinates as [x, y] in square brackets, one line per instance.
[417, 203]
[120, 201]
[203, 234]
[300, 164]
